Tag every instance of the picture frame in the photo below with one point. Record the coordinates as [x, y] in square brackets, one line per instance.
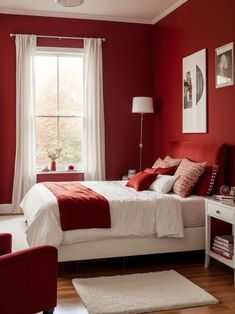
[224, 65]
[131, 173]
[232, 191]
[194, 109]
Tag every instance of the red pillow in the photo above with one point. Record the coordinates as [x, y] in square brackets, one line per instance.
[167, 171]
[141, 181]
[205, 184]
[151, 170]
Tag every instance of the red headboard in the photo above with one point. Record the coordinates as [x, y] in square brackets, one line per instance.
[214, 154]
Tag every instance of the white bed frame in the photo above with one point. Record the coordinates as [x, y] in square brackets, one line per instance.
[194, 237]
[194, 240]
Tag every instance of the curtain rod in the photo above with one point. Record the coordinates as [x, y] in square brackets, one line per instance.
[56, 37]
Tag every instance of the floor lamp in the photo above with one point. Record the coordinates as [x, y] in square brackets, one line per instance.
[142, 105]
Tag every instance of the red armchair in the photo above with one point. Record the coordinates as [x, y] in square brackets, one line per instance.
[28, 278]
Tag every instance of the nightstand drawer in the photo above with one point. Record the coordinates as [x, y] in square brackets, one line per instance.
[221, 212]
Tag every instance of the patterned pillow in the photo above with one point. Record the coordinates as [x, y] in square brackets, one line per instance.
[172, 161]
[160, 163]
[205, 184]
[167, 162]
[189, 173]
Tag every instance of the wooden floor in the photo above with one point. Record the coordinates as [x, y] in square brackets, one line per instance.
[217, 279]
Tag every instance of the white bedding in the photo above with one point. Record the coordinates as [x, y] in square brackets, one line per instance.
[145, 213]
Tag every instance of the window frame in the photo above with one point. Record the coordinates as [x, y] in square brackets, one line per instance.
[57, 52]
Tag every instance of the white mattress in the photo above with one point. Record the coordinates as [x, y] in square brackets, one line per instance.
[133, 214]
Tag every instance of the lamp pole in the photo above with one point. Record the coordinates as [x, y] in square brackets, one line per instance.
[142, 105]
[141, 145]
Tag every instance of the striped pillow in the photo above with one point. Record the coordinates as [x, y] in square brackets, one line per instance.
[205, 184]
[189, 172]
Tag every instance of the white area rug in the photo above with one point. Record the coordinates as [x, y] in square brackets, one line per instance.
[140, 293]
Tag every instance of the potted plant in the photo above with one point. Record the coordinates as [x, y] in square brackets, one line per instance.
[53, 154]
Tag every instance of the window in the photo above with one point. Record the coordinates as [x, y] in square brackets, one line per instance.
[59, 106]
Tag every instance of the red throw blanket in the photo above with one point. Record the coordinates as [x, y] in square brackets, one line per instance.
[79, 206]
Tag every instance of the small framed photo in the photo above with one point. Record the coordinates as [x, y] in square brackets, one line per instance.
[232, 191]
[131, 173]
[224, 66]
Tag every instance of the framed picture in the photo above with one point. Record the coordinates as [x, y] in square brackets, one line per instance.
[232, 191]
[194, 93]
[224, 66]
[131, 173]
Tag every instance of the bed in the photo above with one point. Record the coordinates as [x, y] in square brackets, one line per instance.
[134, 233]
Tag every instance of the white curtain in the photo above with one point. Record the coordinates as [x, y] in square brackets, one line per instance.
[25, 170]
[94, 133]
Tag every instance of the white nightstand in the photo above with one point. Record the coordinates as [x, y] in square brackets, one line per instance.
[224, 212]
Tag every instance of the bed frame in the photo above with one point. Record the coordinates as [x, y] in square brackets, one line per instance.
[194, 240]
[194, 237]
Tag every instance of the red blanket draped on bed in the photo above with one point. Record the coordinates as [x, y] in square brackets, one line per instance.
[79, 206]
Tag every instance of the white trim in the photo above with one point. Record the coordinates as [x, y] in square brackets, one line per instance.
[94, 17]
[75, 16]
[59, 50]
[60, 172]
[7, 208]
[168, 11]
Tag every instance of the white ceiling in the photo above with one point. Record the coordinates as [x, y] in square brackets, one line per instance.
[133, 11]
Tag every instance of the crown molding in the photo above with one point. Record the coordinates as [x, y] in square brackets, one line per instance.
[74, 16]
[92, 16]
[168, 11]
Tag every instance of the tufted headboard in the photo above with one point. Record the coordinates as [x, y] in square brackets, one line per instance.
[213, 153]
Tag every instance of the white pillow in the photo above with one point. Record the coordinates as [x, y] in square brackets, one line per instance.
[163, 183]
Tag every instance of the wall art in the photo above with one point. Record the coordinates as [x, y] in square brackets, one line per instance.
[194, 93]
[224, 66]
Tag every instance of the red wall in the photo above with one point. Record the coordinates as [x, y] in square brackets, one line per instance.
[195, 25]
[133, 53]
[128, 72]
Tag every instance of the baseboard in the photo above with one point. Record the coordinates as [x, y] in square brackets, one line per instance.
[7, 209]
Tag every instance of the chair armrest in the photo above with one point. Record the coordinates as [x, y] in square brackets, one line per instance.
[29, 280]
[5, 243]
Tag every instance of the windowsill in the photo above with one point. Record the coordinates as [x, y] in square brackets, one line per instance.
[59, 172]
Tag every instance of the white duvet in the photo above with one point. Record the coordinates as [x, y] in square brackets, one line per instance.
[133, 213]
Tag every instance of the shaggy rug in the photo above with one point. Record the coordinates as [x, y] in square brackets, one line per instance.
[140, 293]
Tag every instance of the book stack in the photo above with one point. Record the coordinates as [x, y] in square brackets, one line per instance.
[223, 245]
[224, 198]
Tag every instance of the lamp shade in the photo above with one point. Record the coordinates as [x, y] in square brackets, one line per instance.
[142, 105]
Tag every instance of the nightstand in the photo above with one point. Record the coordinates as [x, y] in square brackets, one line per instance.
[224, 212]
